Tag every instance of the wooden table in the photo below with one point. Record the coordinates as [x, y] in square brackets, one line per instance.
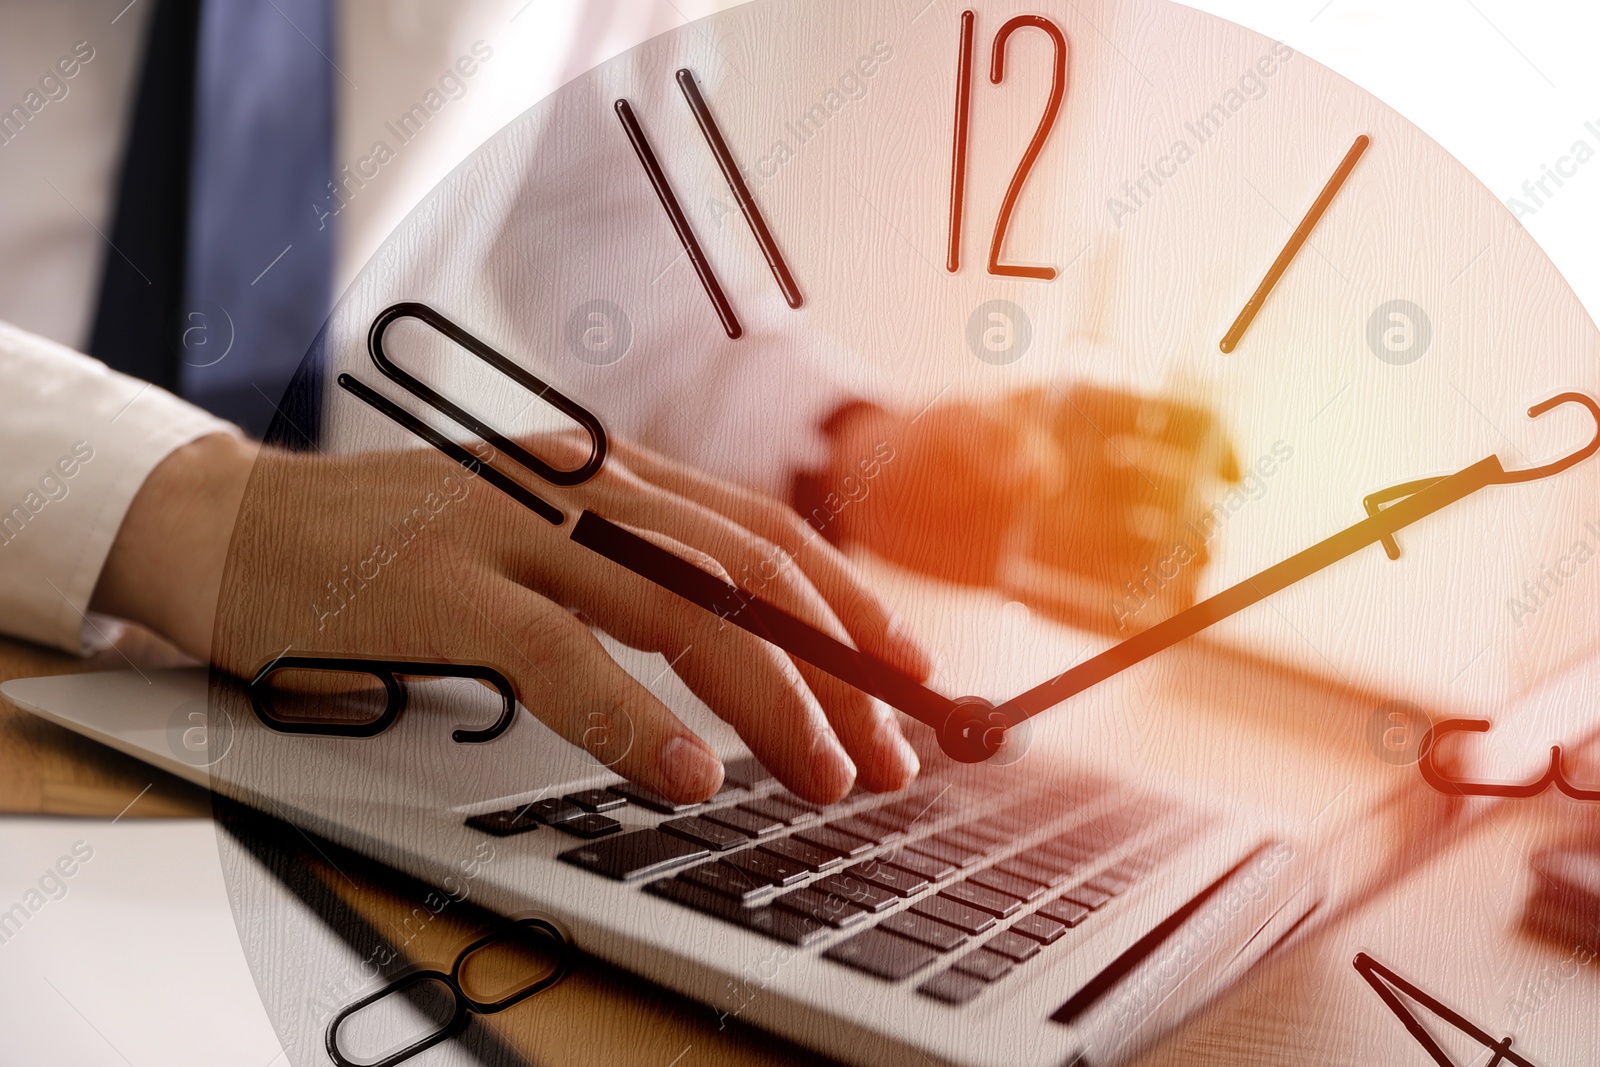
[45, 769]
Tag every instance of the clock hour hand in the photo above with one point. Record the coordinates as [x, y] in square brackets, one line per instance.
[1423, 498]
[767, 621]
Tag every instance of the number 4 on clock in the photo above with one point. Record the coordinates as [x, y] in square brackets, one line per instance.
[1390, 986]
[958, 155]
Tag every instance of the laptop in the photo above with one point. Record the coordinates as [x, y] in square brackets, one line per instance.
[1034, 914]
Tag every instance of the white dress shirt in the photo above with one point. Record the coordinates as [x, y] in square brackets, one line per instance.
[78, 440]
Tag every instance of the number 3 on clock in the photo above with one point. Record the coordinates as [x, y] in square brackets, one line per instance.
[958, 160]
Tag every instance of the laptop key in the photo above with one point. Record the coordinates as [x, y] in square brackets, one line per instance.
[783, 925]
[1050, 873]
[882, 955]
[829, 909]
[887, 818]
[723, 877]
[702, 831]
[1089, 895]
[780, 925]
[746, 773]
[887, 876]
[1114, 881]
[861, 828]
[858, 891]
[922, 929]
[1085, 839]
[1093, 838]
[983, 898]
[1065, 852]
[952, 987]
[807, 855]
[775, 870]
[1040, 928]
[951, 852]
[930, 867]
[984, 965]
[964, 837]
[910, 812]
[1069, 913]
[1010, 824]
[634, 855]
[504, 823]
[1013, 946]
[551, 810]
[1009, 884]
[804, 811]
[596, 800]
[983, 831]
[968, 920]
[745, 821]
[589, 825]
[649, 798]
[778, 808]
[846, 845]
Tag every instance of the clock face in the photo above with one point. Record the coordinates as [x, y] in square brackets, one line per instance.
[945, 205]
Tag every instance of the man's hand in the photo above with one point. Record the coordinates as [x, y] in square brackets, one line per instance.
[406, 555]
[1093, 482]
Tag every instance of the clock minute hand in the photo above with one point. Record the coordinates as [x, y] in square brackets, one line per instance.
[971, 729]
[1380, 526]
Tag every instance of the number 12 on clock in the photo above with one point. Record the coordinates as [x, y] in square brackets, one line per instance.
[958, 154]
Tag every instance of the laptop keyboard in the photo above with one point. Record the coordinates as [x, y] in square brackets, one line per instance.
[954, 884]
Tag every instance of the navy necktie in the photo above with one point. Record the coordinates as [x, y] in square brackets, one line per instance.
[260, 256]
[232, 291]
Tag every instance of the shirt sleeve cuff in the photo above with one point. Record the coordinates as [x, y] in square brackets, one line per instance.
[80, 439]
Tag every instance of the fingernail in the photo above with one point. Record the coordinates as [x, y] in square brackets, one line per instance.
[832, 773]
[690, 770]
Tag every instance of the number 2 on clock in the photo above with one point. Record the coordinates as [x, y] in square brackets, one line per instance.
[958, 161]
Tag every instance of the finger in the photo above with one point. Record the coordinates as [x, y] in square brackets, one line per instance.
[746, 681]
[565, 677]
[866, 619]
[767, 571]
[869, 731]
